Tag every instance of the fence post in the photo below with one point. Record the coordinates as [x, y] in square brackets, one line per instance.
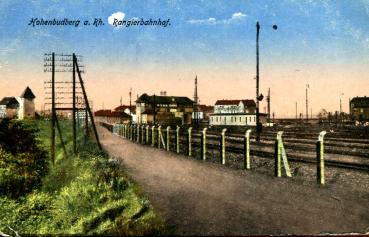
[189, 138]
[246, 163]
[129, 131]
[223, 146]
[168, 137]
[177, 139]
[143, 134]
[159, 136]
[138, 133]
[320, 158]
[125, 130]
[280, 152]
[147, 134]
[153, 135]
[277, 159]
[134, 133]
[203, 143]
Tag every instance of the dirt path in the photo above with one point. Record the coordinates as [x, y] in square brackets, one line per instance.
[201, 198]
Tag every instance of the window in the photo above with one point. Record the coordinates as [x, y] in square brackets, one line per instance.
[231, 119]
[254, 119]
[240, 119]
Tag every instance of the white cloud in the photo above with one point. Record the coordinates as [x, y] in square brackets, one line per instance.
[116, 16]
[210, 21]
[237, 16]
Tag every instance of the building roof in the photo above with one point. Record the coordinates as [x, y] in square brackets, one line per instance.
[10, 102]
[119, 114]
[27, 94]
[123, 107]
[180, 100]
[206, 108]
[360, 102]
[103, 112]
[235, 102]
[109, 113]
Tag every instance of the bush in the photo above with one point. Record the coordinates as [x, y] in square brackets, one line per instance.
[23, 163]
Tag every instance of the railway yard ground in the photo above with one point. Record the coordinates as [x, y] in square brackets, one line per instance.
[198, 197]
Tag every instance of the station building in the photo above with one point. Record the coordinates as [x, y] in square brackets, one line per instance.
[236, 113]
[164, 109]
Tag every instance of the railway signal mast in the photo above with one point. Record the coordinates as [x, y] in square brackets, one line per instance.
[258, 97]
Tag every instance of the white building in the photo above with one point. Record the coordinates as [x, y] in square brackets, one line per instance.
[26, 104]
[235, 112]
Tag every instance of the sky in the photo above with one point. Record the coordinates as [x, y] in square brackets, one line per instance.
[321, 43]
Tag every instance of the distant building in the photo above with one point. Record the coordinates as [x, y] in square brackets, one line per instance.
[130, 110]
[26, 104]
[235, 112]
[164, 109]
[203, 112]
[21, 107]
[359, 108]
[106, 115]
[9, 107]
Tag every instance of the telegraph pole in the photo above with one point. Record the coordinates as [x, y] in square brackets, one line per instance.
[53, 113]
[296, 110]
[154, 107]
[307, 103]
[130, 104]
[196, 98]
[268, 101]
[257, 82]
[74, 108]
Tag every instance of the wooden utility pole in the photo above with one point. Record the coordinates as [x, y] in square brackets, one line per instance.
[257, 82]
[87, 103]
[154, 108]
[268, 102]
[74, 108]
[130, 105]
[296, 110]
[53, 113]
[307, 103]
[195, 109]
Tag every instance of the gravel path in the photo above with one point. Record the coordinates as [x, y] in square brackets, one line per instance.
[203, 198]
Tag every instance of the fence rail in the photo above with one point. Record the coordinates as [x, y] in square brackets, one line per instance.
[204, 144]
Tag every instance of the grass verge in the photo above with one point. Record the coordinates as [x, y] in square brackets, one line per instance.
[82, 194]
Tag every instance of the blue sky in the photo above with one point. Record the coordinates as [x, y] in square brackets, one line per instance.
[204, 36]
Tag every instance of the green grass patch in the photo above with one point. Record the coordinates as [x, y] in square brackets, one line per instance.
[83, 194]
